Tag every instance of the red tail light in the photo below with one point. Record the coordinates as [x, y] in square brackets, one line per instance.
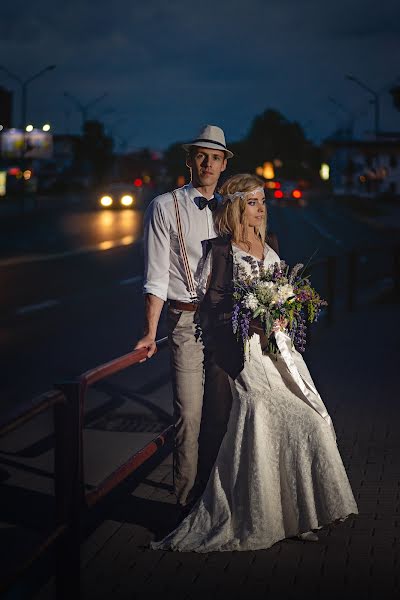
[138, 182]
[272, 185]
[278, 194]
[14, 171]
[297, 194]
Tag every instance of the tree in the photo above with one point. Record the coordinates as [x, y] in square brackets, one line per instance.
[95, 150]
[272, 138]
[174, 160]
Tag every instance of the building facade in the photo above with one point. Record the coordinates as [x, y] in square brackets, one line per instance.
[365, 167]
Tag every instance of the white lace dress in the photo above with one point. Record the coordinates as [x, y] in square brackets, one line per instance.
[278, 472]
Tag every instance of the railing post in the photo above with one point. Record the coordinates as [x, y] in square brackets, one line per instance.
[352, 262]
[68, 490]
[330, 285]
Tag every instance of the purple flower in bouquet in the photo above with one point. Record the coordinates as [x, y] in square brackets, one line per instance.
[235, 317]
[275, 295]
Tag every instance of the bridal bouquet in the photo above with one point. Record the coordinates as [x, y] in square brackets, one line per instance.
[277, 297]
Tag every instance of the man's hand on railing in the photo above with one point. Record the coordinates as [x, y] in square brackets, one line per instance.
[147, 342]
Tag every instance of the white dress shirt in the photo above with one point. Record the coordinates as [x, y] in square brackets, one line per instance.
[164, 274]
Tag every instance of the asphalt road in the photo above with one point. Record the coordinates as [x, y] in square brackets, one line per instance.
[71, 283]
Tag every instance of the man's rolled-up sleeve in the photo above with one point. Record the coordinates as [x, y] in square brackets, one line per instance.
[156, 251]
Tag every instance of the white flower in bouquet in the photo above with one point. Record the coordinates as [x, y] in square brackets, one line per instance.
[264, 292]
[266, 284]
[283, 293]
[250, 301]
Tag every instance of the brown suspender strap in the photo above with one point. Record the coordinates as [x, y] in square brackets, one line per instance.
[185, 259]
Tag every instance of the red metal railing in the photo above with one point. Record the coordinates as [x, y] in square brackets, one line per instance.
[68, 402]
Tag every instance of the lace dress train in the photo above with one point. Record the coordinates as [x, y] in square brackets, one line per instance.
[278, 472]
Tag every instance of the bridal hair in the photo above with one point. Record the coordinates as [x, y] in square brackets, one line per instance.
[230, 219]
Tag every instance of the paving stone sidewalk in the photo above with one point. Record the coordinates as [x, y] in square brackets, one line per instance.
[355, 365]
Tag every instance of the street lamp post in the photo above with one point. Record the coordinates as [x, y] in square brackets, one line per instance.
[24, 85]
[375, 96]
[84, 108]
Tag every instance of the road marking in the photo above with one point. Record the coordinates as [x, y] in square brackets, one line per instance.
[127, 240]
[30, 308]
[135, 279]
[321, 230]
[35, 307]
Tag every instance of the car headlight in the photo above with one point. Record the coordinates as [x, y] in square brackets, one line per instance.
[127, 200]
[106, 201]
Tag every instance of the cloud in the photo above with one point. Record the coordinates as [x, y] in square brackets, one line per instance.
[169, 67]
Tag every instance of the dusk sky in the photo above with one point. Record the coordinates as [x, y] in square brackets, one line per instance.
[169, 67]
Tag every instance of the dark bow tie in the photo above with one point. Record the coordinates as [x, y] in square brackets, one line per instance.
[203, 202]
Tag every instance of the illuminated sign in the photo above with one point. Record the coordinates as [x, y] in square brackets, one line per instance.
[3, 177]
[324, 172]
[33, 144]
[12, 143]
[38, 144]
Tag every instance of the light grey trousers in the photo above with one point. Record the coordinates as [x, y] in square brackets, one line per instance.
[202, 402]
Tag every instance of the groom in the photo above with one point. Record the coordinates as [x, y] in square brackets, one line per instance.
[201, 389]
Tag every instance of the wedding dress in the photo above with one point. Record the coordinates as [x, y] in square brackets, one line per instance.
[278, 472]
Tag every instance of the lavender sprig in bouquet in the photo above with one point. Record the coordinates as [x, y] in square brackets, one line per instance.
[272, 295]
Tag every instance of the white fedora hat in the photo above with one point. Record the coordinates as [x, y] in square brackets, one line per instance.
[210, 136]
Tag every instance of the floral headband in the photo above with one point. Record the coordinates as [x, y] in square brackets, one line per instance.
[232, 197]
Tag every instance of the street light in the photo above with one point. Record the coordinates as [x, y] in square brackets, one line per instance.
[84, 108]
[24, 85]
[374, 94]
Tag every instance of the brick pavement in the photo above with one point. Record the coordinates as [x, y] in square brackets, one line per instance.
[355, 366]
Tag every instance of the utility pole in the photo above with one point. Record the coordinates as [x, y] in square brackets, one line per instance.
[375, 101]
[24, 89]
[84, 108]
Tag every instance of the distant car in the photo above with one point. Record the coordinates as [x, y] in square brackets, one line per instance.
[119, 195]
[18, 178]
[287, 190]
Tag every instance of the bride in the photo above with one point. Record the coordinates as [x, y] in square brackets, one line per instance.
[278, 473]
